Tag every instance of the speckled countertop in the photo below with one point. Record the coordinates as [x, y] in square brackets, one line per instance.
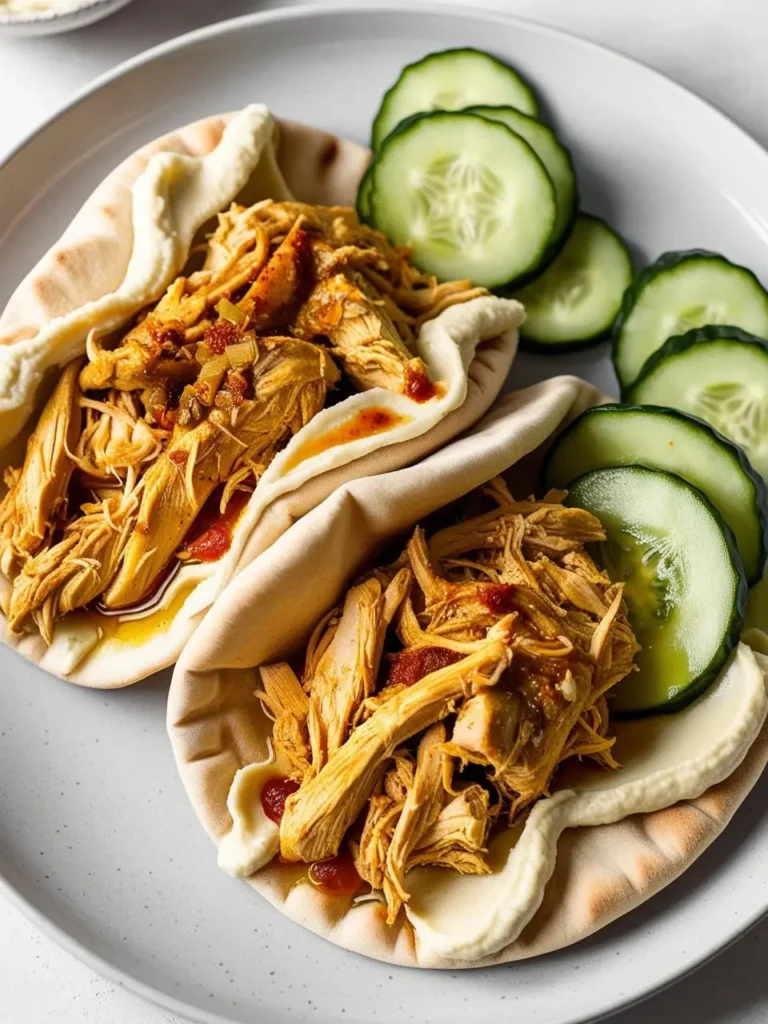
[716, 47]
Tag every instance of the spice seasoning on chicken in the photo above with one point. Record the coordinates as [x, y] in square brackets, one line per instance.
[220, 334]
[506, 637]
[365, 423]
[412, 664]
[233, 361]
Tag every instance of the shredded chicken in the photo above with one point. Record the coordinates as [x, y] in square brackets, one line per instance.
[317, 816]
[172, 417]
[39, 492]
[71, 573]
[361, 333]
[445, 691]
[288, 705]
[289, 390]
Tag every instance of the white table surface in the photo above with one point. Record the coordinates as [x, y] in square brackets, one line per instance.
[717, 48]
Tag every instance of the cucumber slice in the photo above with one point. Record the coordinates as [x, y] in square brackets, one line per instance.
[684, 583]
[552, 153]
[468, 195]
[719, 374]
[677, 293]
[451, 80]
[624, 435]
[363, 204]
[575, 301]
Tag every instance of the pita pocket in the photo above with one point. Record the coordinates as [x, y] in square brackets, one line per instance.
[215, 344]
[354, 776]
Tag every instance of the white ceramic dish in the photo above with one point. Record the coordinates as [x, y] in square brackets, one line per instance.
[76, 14]
[99, 844]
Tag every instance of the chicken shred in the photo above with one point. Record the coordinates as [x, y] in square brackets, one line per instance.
[448, 687]
[288, 705]
[192, 402]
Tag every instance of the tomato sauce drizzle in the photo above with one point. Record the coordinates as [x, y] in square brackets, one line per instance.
[337, 876]
[411, 665]
[418, 386]
[211, 535]
[274, 793]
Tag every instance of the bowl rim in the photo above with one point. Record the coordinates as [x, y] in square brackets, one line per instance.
[43, 16]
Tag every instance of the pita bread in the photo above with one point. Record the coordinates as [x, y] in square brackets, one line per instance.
[628, 834]
[131, 238]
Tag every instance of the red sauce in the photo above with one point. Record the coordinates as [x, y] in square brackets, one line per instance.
[418, 386]
[365, 423]
[167, 337]
[498, 598]
[166, 418]
[211, 535]
[337, 876]
[179, 458]
[411, 665]
[274, 794]
[220, 334]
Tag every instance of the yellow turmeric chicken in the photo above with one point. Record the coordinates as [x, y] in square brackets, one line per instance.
[183, 411]
[437, 701]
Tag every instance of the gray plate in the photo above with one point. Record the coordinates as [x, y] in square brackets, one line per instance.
[99, 845]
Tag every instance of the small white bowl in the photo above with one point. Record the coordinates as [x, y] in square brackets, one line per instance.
[75, 14]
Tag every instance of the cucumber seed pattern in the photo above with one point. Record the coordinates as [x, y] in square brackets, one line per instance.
[456, 203]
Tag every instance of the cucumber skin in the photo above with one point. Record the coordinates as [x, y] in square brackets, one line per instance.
[733, 635]
[441, 53]
[761, 492]
[362, 214]
[528, 344]
[733, 631]
[667, 261]
[507, 291]
[558, 243]
[681, 342]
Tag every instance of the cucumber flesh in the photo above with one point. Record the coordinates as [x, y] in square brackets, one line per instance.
[684, 584]
[659, 438]
[468, 195]
[552, 153]
[678, 293]
[451, 80]
[575, 301]
[719, 374]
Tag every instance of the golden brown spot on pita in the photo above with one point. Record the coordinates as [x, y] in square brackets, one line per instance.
[680, 830]
[604, 897]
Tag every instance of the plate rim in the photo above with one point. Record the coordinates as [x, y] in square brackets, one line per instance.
[297, 12]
